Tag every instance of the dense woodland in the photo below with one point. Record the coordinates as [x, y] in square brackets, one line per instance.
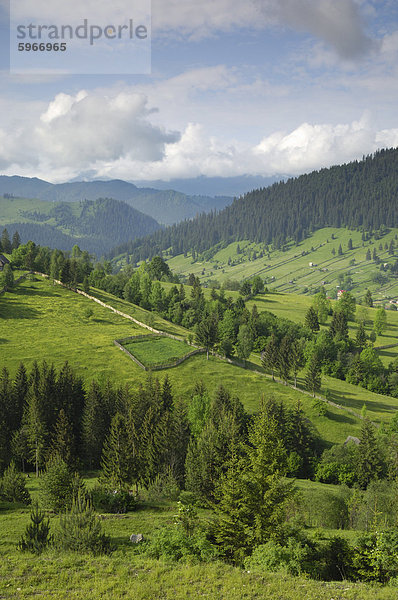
[360, 194]
[96, 225]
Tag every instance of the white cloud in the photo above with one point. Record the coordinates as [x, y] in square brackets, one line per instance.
[75, 133]
[304, 149]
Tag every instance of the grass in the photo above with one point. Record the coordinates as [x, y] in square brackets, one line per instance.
[290, 270]
[42, 321]
[128, 573]
[156, 350]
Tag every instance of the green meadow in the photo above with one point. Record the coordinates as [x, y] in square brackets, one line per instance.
[290, 270]
[152, 350]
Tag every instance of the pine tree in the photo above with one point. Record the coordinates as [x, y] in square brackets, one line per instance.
[94, 426]
[63, 443]
[368, 254]
[368, 298]
[36, 429]
[81, 531]
[232, 525]
[244, 342]
[117, 456]
[349, 246]
[361, 336]
[340, 251]
[5, 242]
[339, 325]
[313, 376]
[269, 356]
[380, 322]
[266, 491]
[37, 535]
[16, 240]
[297, 358]
[285, 358]
[207, 332]
[311, 319]
[167, 395]
[369, 465]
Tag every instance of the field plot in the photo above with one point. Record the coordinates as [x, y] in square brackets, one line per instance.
[157, 350]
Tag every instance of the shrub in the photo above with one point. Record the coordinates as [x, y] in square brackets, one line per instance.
[293, 558]
[164, 487]
[81, 531]
[13, 486]
[37, 534]
[330, 560]
[58, 485]
[376, 556]
[172, 543]
[115, 501]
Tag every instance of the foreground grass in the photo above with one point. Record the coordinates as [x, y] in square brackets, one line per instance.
[128, 573]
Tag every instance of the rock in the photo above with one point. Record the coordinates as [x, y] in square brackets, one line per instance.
[136, 538]
[353, 439]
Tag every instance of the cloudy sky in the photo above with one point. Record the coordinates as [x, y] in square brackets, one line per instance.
[260, 87]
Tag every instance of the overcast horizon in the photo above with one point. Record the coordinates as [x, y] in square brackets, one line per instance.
[262, 88]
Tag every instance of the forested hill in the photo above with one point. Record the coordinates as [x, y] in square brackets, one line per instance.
[358, 194]
[94, 225]
[165, 206]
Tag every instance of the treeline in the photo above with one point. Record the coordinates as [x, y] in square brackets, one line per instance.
[360, 194]
[134, 436]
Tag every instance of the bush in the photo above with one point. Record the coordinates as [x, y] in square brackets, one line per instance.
[322, 508]
[81, 531]
[13, 486]
[294, 558]
[116, 501]
[336, 473]
[37, 534]
[330, 560]
[59, 486]
[164, 487]
[376, 556]
[172, 543]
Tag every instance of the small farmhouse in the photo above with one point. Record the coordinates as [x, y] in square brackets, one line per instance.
[3, 261]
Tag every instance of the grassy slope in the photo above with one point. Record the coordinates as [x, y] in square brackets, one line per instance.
[128, 574]
[42, 321]
[291, 270]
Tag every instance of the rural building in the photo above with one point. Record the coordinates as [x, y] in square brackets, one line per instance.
[3, 261]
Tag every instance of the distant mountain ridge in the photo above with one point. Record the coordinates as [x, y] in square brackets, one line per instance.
[165, 206]
[95, 225]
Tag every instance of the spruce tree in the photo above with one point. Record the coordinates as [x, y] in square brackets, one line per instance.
[285, 358]
[269, 356]
[16, 240]
[361, 336]
[368, 298]
[5, 242]
[313, 376]
[63, 443]
[37, 535]
[311, 319]
[117, 456]
[369, 464]
[297, 358]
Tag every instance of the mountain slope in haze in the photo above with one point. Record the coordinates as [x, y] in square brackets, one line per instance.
[94, 225]
[165, 206]
[358, 194]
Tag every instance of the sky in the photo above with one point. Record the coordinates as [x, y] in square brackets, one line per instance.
[260, 87]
